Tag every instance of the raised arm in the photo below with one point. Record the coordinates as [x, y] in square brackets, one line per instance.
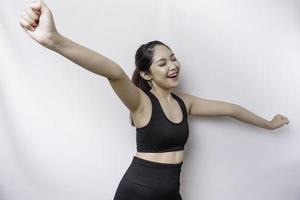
[204, 107]
[38, 23]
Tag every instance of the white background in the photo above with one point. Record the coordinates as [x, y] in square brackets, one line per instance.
[65, 135]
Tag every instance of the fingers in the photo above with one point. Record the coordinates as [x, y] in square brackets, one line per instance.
[287, 120]
[30, 16]
[284, 118]
[34, 16]
[39, 5]
[38, 12]
[36, 5]
[27, 17]
[25, 25]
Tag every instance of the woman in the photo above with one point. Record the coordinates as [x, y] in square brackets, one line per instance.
[159, 115]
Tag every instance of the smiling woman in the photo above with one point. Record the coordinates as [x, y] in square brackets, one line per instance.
[145, 57]
[159, 114]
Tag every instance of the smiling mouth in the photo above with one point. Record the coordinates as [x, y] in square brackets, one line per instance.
[173, 76]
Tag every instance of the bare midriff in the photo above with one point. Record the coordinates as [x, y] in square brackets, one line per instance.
[173, 157]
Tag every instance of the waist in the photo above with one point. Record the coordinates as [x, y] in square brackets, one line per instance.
[161, 176]
[174, 157]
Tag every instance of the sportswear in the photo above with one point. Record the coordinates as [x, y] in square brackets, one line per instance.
[148, 180]
[161, 134]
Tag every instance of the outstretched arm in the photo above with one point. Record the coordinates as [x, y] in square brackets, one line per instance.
[38, 23]
[245, 115]
[84, 57]
[204, 107]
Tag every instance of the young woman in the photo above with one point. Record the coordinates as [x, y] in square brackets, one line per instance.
[159, 115]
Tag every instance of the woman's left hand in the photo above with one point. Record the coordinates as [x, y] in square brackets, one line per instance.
[278, 121]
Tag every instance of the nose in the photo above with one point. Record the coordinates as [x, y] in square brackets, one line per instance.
[173, 67]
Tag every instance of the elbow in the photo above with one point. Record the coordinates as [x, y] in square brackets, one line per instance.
[233, 110]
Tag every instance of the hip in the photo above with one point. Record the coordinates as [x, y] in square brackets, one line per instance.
[150, 180]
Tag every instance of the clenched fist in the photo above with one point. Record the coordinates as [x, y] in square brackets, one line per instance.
[38, 23]
[278, 121]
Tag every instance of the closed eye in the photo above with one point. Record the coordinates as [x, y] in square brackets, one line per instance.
[174, 59]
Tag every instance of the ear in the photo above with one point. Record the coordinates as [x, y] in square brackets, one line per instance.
[145, 75]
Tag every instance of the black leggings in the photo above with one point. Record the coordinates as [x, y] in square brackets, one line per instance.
[147, 180]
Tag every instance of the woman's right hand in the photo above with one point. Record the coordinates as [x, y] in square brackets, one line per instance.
[38, 23]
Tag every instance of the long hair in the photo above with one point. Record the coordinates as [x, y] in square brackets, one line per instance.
[143, 61]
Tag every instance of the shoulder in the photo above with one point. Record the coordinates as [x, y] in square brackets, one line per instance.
[185, 97]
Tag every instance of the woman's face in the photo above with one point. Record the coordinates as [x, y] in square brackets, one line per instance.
[164, 67]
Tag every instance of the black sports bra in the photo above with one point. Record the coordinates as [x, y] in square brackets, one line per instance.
[161, 134]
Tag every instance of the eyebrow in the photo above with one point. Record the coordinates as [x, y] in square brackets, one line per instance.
[164, 58]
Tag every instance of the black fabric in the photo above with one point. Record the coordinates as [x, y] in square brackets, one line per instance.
[148, 180]
[161, 134]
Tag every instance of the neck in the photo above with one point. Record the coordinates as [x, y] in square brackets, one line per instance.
[164, 94]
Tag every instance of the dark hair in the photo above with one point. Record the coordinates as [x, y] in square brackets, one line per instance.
[143, 61]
